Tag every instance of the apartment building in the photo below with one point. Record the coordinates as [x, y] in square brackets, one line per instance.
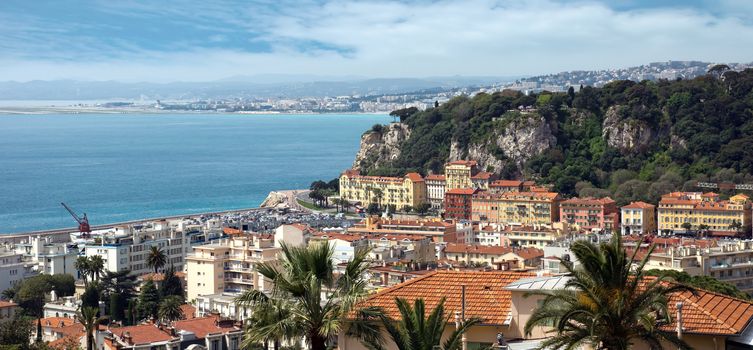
[589, 214]
[13, 268]
[49, 257]
[458, 174]
[482, 180]
[8, 309]
[437, 230]
[537, 236]
[129, 247]
[638, 218]
[678, 210]
[393, 248]
[345, 246]
[458, 203]
[435, 189]
[502, 186]
[498, 258]
[229, 265]
[516, 208]
[409, 190]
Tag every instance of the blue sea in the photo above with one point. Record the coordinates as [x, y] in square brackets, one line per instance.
[132, 166]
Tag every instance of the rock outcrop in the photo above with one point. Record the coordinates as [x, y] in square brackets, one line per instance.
[379, 148]
[516, 139]
[275, 200]
[627, 135]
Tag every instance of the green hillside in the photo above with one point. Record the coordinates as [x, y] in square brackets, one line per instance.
[632, 141]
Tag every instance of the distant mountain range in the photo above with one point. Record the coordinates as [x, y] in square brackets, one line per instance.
[300, 86]
[266, 86]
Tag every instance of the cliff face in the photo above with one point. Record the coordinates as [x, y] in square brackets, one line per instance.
[379, 148]
[514, 140]
[627, 135]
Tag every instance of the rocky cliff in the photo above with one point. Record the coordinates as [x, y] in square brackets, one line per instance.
[626, 134]
[378, 148]
[515, 139]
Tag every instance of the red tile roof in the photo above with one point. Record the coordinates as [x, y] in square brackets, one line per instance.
[476, 248]
[4, 304]
[506, 183]
[485, 294]
[587, 201]
[639, 205]
[435, 177]
[710, 313]
[483, 175]
[202, 326]
[189, 311]
[142, 334]
[462, 191]
[415, 177]
[56, 322]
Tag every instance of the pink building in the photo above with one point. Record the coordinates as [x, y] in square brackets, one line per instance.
[590, 213]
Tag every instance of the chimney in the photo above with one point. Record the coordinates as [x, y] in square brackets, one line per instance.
[127, 337]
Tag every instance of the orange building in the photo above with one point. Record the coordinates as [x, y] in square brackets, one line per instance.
[524, 208]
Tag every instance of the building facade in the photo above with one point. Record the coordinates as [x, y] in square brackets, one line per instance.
[682, 211]
[50, 258]
[435, 189]
[589, 214]
[516, 208]
[459, 173]
[229, 265]
[409, 190]
[458, 203]
[435, 229]
[638, 218]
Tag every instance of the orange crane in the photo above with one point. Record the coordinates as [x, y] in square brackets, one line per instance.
[83, 222]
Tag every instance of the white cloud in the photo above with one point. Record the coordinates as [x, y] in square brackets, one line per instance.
[472, 37]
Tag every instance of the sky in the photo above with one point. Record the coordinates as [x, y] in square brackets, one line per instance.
[204, 40]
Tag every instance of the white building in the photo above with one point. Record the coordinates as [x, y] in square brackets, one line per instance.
[222, 304]
[12, 268]
[435, 188]
[50, 258]
[293, 234]
[129, 247]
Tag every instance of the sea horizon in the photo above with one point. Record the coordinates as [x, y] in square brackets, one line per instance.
[123, 167]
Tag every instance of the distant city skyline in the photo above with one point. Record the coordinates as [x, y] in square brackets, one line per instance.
[204, 41]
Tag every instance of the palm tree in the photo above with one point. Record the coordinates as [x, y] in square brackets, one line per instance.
[302, 277]
[169, 309]
[96, 267]
[156, 258]
[604, 304]
[413, 331]
[270, 320]
[82, 266]
[87, 316]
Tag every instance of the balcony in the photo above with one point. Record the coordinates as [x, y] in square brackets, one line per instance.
[239, 280]
[238, 269]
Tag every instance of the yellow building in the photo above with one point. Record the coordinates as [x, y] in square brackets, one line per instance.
[399, 191]
[229, 265]
[516, 208]
[696, 209]
[638, 218]
[458, 174]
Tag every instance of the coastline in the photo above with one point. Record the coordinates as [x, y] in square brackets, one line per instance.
[32, 111]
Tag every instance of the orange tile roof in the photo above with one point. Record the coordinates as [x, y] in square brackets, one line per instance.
[506, 183]
[142, 334]
[4, 304]
[202, 326]
[56, 322]
[517, 195]
[64, 342]
[483, 175]
[463, 191]
[710, 313]
[435, 177]
[415, 177]
[189, 311]
[639, 205]
[476, 248]
[231, 231]
[341, 236]
[587, 201]
[485, 295]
